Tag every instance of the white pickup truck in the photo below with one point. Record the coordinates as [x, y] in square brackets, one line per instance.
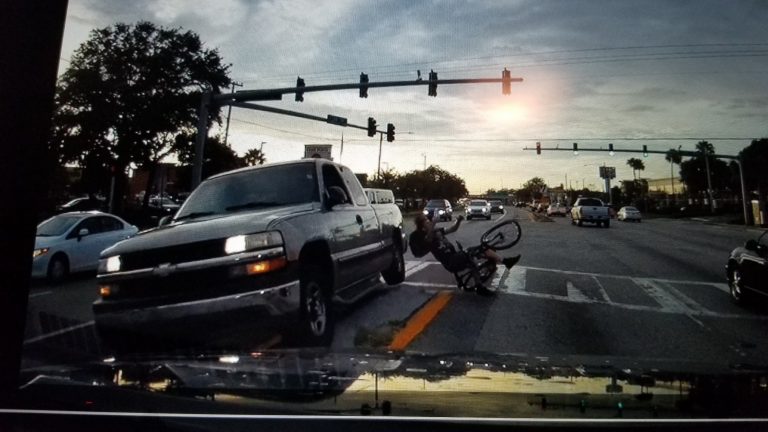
[590, 210]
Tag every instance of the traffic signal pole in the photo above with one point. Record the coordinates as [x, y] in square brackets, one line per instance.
[378, 170]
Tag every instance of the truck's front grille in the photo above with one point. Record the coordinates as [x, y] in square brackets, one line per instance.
[173, 254]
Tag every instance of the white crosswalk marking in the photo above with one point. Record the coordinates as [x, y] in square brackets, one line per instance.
[664, 292]
[575, 294]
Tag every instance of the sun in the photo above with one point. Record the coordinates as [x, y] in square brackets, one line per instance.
[510, 112]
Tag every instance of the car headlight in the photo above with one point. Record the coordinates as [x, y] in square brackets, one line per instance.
[426, 212]
[501, 207]
[110, 265]
[441, 212]
[242, 243]
[37, 252]
[485, 209]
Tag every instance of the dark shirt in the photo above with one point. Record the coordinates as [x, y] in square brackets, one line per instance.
[440, 247]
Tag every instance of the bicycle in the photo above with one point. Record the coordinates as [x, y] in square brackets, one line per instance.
[499, 237]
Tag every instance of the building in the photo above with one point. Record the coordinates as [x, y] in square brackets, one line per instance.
[664, 186]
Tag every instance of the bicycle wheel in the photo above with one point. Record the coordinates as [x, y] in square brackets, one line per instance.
[502, 236]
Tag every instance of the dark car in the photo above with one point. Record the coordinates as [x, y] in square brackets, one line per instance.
[83, 204]
[747, 270]
[440, 208]
[497, 206]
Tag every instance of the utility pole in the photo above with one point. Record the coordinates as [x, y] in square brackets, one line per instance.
[229, 111]
[378, 171]
[341, 152]
[424, 155]
[709, 183]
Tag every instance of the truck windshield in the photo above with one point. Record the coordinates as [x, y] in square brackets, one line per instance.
[259, 188]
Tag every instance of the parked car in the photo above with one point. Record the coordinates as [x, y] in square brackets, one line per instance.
[629, 213]
[556, 209]
[83, 204]
[478, 208]
[243, 253]
[590, 210]
[497, 206]
[440, 207]
[747, 270]
[164, 203]
[71, 242]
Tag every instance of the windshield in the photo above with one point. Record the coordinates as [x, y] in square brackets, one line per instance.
[266, 187]
[329, 242]
[57, 226]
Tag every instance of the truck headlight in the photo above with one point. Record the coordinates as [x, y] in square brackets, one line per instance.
[37, 252]
[242, 243]
[110, 265]
[441, 212]
[426, 212]
[485, 209]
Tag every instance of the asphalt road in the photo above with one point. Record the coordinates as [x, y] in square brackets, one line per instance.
[652, 290]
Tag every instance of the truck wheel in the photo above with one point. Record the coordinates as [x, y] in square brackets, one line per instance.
[395, 274]
[316, 310]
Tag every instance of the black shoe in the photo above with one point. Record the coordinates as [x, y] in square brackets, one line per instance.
[509, 262]
[483, 291]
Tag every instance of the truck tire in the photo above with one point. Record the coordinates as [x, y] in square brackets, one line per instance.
[607, 223]
[316, 322]
[395, 274]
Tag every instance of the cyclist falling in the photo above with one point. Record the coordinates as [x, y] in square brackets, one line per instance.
[428, 238]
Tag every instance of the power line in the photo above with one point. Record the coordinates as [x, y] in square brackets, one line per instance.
[573, 139]
[284, 130]
[534, 53]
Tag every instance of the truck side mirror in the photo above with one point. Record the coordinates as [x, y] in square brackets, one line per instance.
[165, 220]
[336, 196]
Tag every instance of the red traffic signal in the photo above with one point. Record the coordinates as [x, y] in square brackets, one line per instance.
[371, 127]
[363, 88]
[432, 83]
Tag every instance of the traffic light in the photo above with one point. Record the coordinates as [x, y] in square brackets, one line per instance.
[299, 94]
[575, 149]
[390, 132]
[538, 148]
[363, 88]
[645, 151]
[506, 82]
[610, 149]
[432, 83]
[371, 127]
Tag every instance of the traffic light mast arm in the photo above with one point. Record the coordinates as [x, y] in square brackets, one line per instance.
[294, 114]
[682, 152]
[276, 94]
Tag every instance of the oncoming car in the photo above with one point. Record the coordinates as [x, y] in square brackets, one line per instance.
[478, 208]
[72, 242]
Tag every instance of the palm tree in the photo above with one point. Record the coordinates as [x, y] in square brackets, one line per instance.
[706, 149]
[674, 158]
[254, 157]
[636, 165]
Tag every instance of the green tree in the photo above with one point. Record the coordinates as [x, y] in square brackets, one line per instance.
[433, 182]
[254, 157]
[387, 180]
[754, 159]
[217, 158]
[129, 91]
[636, 165]
[531, 189]
[693, 171]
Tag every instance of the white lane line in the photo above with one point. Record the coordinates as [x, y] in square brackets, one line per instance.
[513, 280]
[38, 294]
[428, 284]
[58, 332]
[601, 290]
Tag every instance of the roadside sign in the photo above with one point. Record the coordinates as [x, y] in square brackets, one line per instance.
[335, 120]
